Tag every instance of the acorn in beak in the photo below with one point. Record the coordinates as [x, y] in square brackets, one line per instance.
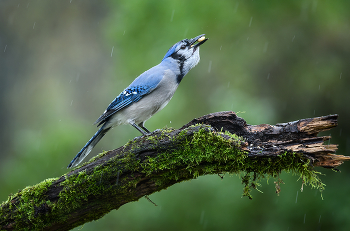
[197, 41]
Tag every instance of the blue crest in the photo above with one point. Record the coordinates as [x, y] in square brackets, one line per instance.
[170, 51]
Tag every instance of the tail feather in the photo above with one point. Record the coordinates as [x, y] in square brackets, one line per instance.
[88, 147]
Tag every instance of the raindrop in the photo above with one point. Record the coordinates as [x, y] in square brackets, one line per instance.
[314, 5]
[185, 34]
[250, 22]
[235, 10]
[228, 84]
[340, 132]
[220, 48]
[265, 47]
[112, 51]
[209, 67]
[170, 121]
[116, 183]
[314, 111]
[124, 33]
[33, 25]
[71, 103]
[304, 217]
[202, 217]
[319, 87]
[319, 220]
[5, 47]
[172, 16]
[101, 177]
[268, 76]
[296, 199]
[293, 38]
[341, 74]
[70, 1]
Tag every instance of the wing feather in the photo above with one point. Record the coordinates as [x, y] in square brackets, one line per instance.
[123, 100]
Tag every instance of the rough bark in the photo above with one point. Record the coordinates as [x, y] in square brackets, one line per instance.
[297, 136]
[149, 164]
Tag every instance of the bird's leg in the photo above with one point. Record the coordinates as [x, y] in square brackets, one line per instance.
[139, 129]
[144, 128]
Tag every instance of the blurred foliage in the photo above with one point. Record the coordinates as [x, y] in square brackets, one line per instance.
[63, 62]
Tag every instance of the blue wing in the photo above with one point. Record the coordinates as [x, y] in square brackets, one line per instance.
[141, 86]
[128, 96]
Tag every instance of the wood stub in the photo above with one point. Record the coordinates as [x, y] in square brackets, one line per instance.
[297, 136]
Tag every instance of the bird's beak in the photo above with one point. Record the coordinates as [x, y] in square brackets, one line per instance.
[200, 39]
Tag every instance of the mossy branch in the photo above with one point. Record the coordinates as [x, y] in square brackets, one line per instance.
[213, 144]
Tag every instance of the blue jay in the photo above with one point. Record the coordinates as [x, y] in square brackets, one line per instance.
[147, 94]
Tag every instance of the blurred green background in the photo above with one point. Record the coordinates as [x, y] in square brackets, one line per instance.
[63, 62]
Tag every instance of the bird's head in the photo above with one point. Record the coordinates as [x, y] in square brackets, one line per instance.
[186, 53]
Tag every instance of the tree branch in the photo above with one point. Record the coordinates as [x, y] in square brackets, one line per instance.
[213, 144]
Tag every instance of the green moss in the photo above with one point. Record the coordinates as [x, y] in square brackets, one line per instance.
[209, 153]
[295, 163]
[204, 152]
[28, 203]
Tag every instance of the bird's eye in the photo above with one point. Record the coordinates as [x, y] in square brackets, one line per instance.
[183, 47]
